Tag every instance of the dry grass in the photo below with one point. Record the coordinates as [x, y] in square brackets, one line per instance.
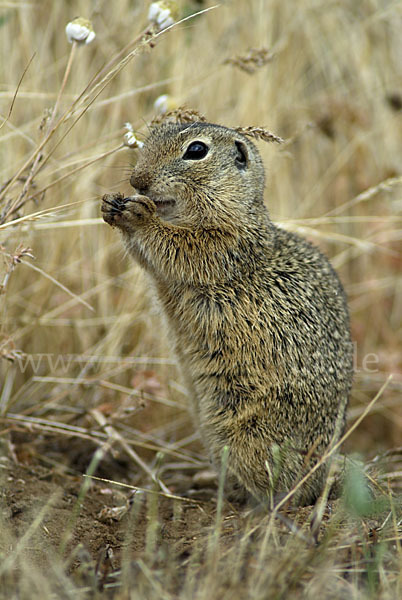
[84, 366]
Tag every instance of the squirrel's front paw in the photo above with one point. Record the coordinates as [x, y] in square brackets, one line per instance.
[126, 213]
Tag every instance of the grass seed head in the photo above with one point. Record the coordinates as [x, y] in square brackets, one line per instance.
[259, 133]
[253, 60]
[181, 114]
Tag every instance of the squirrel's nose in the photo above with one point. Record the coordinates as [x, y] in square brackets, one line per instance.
[140, 181]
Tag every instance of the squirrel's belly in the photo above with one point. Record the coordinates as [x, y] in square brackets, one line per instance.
[259, 384]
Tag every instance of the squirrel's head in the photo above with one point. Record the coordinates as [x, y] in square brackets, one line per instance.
[200, 173]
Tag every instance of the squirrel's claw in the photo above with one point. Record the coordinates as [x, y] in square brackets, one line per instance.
[122, 212]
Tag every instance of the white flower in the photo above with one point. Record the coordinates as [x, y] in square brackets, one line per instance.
[129, 137]
[161, 104]
[160, 14]
[80, 30]
[165, 103]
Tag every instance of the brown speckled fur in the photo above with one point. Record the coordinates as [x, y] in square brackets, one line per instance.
[257, 314]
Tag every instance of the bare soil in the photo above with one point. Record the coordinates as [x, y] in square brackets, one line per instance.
[54, 515]
[98, 523]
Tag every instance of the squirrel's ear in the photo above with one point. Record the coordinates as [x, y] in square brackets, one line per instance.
[241, 155]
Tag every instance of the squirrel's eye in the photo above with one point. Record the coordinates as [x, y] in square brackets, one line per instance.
[196, 151]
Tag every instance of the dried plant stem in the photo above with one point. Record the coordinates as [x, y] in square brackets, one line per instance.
[63, 83]
[26, 164]
[97, 437]
[145, 490]
[39, 214]
[16, 92]
[104, 71]
[15, 259]
[37, 156]
[96, 90]
[114, 435]
[385, 185]
[58, 284]
[53, 126]
[55, 182]
[88, 100]
[79, 168]
[145, 38]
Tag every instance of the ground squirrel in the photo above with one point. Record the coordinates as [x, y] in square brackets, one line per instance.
[257, 315]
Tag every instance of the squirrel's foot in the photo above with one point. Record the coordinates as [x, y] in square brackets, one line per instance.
[127, 213]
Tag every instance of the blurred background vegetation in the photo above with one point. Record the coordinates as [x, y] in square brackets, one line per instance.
[84, 364]
[330, 84]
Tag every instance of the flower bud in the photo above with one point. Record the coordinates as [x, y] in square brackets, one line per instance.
[129, 137]
[80, 30]
[162, 13]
